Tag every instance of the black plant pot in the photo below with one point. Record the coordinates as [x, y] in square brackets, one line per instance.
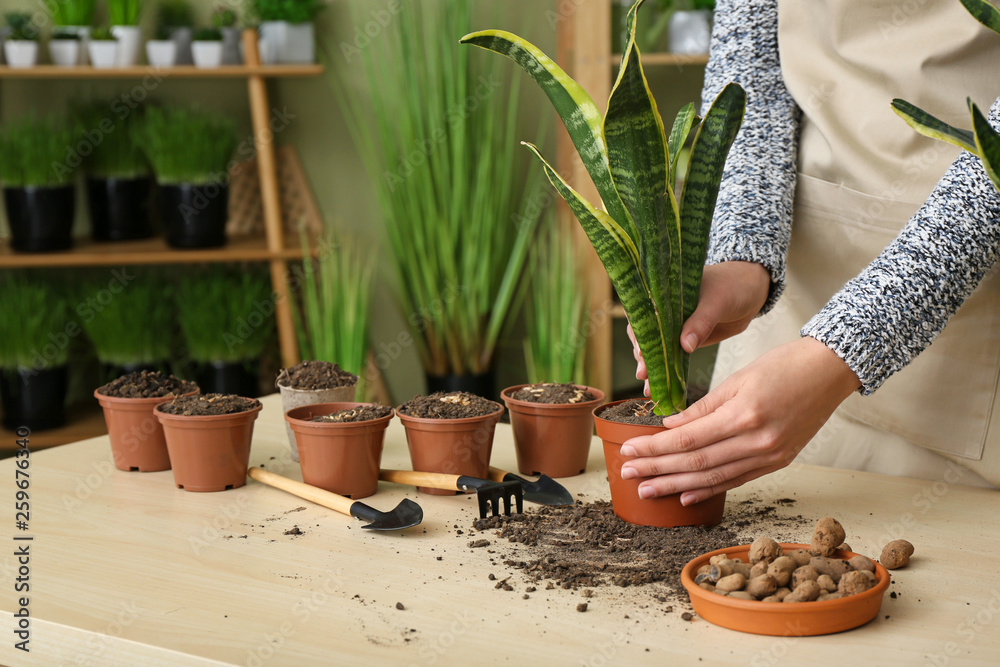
[33, 398]
[119, 208]
[194, 216]
[481, 385]
[111, 372]
[227, 377]
[41, 218]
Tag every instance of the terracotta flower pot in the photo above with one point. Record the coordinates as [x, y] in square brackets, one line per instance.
[452, 446]
[209, 453]
[137, 442]
[666, 512]
[294, 398]
[340, 457]
[551, 438]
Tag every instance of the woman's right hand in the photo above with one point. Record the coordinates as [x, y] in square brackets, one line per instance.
[732, 293]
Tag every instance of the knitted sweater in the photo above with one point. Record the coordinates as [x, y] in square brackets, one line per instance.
[883, 318]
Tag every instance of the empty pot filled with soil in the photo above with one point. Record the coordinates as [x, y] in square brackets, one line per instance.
[620, 421]
[450, 432]
[137, 442]
[340, 445]
[312, 382]
[208, 439]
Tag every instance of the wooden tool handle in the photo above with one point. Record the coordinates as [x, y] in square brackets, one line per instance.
[432, 480]
[302, 490]
[497, 475]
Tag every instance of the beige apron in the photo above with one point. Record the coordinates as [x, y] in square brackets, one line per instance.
[862, 174]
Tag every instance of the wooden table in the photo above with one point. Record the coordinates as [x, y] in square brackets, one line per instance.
[125, 569]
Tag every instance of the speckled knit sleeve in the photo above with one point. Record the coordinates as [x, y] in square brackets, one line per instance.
[893, 309]
[754, 212]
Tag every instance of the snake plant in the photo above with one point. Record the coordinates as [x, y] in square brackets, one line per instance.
[982, 140]
[651, 238]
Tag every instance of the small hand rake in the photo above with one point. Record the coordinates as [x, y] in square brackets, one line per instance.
[490, 494]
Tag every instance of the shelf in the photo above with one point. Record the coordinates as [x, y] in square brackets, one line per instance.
[148, 251]
[142, 71]
[678, 59]
[82, 422]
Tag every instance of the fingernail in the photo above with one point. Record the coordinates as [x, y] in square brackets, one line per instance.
[688, 499]
[629, 472]
[645, 492]
[691, 342]
[627, 450]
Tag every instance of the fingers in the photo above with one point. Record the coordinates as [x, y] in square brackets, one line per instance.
[699, 495]
[641, 372]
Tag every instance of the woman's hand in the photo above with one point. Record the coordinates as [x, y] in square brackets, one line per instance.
[752, 424]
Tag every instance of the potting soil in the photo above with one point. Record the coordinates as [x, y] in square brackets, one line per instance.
[364, 413]
[551, 392]
[147, 384]
[637, 411]
[209, 404]
[316, 375]
[449, 405]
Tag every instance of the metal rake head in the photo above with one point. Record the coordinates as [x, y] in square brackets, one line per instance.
[491, 495]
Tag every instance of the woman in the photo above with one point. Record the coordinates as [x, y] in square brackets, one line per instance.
[825, 227]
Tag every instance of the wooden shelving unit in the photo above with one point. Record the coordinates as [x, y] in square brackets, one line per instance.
[275, 246]
[584, 51]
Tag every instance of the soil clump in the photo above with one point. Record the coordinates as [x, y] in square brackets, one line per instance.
[208, 405]
[449, 405]
[316, 375]
[147, 384]
[551, 392]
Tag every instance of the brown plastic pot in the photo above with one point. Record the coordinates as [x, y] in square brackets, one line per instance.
[294, 398]
[666, 512]
[340, 457]
[211, 452]
[551, 438]
[799, 619]
[452, 446]
[137, 442]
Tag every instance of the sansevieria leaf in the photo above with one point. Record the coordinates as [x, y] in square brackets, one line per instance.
[987, 144]
[932, 127]
[984, 12]
[685, 120]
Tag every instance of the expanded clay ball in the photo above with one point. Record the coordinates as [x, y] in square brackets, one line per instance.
[896, 554]
[827, 536]
[764, 549]
[807, 591]
[860, 562]
[856, 582]
[800, 556]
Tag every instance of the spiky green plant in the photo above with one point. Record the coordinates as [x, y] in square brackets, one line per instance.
[982, 140]
[556, 312]
[186, 145]
[225, 314]
[21, 27]
[72, 12]
[33, 320]
[124, 12]
[33, 151]
[132, 325]
[652, 241]
[449, 182]
[333, 310]
[115, 154]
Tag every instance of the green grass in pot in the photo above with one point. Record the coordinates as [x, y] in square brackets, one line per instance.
[34, 312]
[186, 145]
[102, 33]
[21, 27]
[652, 240]
[208, 35]
[72, 12]
[225, 314]
[33, 152]
[292, 11]
[124, 12]
[117, 155]
[133, 326]
[982, 140]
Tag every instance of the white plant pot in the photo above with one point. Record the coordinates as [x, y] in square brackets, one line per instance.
[286, 43]
[690, 31]
[161, 52]
[65, 52]
[103, 54]
[21, 52]
[129, 44]
[206, 54]
[84, 32]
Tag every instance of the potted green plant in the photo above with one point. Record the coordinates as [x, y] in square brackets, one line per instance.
[74, 16]
[131, 330]
[982, 140]
[38, 187]
[103, 48]
[454, 199]
[207, 47]
[64, 48]
[287, 34]
[161, 51]
[226, 320]
[119, 179]
[651, 239]
[175, 19]
[190, 150]
[20, 48]
[33, 365]
[124, 15]
[224, 19]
